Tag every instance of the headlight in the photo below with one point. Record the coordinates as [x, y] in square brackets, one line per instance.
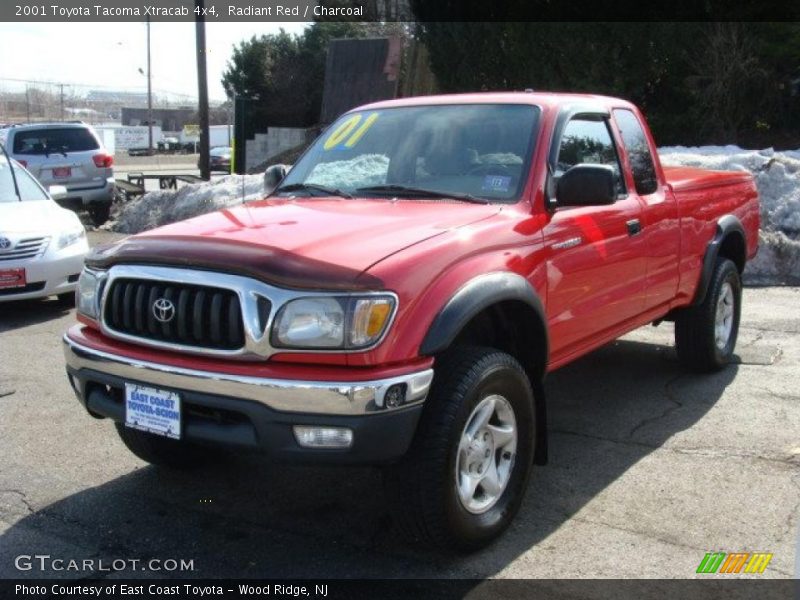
[86, 295]
[70, 237]
[332, 322]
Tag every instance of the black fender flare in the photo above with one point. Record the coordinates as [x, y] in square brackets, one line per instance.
[471, 299]
[727, 225]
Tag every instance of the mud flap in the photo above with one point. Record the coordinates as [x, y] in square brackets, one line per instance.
[540, 451]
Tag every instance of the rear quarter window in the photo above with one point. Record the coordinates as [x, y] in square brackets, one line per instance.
[47, 141]
[642, 168]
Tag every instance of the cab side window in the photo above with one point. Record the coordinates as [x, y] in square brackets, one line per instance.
[635, 141]
[588, 141]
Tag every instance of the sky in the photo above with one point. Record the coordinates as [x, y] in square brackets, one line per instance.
[109, 55]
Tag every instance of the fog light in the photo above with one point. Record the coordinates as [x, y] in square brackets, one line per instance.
[395, 395]
[323, 437]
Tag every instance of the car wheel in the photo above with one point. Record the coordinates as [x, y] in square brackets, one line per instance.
[705, 335]
[100, 213]
[464, 477]
[162, 451]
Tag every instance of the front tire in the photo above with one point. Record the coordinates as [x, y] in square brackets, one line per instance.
[162, 451]
[705, 334]
[464, 477]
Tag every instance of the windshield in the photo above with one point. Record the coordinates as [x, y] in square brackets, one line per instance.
[476, 150]
[46, 141]
[28, 188]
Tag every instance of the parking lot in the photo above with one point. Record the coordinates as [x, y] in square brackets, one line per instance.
[650, 468]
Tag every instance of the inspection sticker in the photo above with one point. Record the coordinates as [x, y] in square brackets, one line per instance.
[496, 183]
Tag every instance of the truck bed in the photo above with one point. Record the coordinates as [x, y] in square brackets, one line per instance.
[684, 179]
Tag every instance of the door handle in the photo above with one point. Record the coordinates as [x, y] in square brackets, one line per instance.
[634, 227]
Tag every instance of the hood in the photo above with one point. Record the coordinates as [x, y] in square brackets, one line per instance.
[35, 217]
[305, 243]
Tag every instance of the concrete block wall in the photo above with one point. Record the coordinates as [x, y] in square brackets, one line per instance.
[278, 139]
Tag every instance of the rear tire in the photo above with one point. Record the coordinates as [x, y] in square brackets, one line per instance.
[99, 213]
[465, 475]
[705, 334]
[162, 451]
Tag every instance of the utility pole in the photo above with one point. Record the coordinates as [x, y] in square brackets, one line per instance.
[62, 100]
[28, 102]
[202, 87]
[149, 94]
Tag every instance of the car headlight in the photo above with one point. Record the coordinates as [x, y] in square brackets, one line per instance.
[71, 237]
[332, 322]
[87, 293]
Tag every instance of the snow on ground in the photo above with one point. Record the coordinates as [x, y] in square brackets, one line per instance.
[777, 176]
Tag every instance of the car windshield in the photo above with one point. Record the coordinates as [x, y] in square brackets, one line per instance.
[28, 188]
[52, 140]
[220, 151]
[469, 150]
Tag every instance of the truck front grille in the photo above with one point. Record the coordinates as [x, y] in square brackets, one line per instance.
[175, 313]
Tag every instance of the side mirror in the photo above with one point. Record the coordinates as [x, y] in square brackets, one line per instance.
[273, 177]
[57, 191]
[586, 185]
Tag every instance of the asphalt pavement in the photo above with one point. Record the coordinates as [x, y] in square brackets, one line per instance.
[650, 468]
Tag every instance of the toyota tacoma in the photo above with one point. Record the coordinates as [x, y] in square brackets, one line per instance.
[399, 297]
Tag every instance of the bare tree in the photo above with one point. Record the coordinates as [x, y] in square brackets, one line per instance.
[730, 82]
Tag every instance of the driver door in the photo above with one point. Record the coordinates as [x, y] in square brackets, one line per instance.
[595, 254]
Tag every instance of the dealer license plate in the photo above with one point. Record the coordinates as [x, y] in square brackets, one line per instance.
[62, 172]
[12, 278]
[152, 410]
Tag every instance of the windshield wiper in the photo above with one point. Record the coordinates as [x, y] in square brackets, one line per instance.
[404, 190]
[312, 187]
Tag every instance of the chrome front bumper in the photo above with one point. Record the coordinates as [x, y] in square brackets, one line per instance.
[308, 397]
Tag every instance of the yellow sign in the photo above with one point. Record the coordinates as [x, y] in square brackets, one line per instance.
[341, 133]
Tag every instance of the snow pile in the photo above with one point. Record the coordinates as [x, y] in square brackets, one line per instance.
[498, 158]
[361, 171]
[168, 206]
[777, 176]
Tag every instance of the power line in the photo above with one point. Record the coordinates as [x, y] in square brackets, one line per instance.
[98, 86]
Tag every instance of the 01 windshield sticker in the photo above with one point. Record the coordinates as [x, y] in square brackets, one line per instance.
[348, 133]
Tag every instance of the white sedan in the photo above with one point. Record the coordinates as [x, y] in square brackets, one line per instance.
[42, 246]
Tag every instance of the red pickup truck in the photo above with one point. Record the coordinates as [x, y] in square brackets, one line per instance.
[399, 297]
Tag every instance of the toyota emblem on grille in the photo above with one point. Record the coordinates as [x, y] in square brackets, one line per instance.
[163, 310]
[5, 243]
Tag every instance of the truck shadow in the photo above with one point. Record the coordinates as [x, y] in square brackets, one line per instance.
[23, 313]
[247, 518]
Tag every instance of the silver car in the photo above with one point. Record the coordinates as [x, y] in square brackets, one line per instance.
[69, 155]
